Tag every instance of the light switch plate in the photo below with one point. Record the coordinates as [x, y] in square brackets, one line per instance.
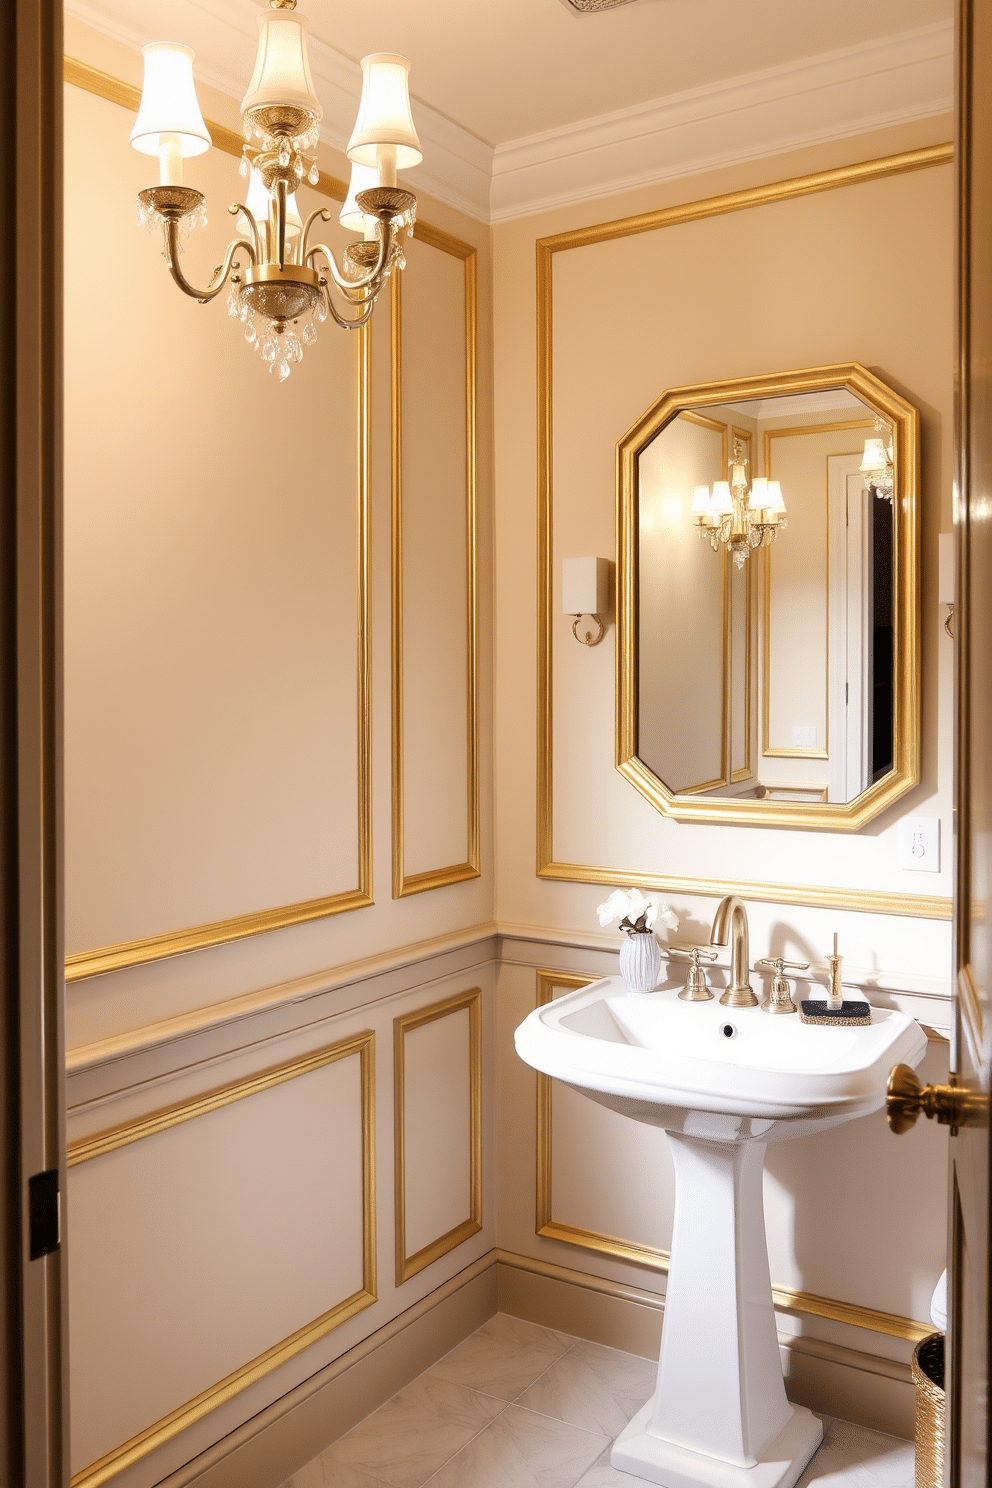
[804, 736]
[919, 844]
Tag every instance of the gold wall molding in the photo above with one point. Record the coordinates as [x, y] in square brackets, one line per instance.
[362, 1046]
[82, 964]
[786, 1299]
[864, 901]
[405, 884]
[409, 1265]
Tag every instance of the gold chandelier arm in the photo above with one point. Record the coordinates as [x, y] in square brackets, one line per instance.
[237, 207]
[325, 216]
[342, 320]
[220, 277]
[356, 288]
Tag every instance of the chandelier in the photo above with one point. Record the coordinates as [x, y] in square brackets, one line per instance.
[739, 516]
[877, 468]
[282, 284]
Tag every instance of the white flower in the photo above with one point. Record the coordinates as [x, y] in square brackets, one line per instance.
[631, 904]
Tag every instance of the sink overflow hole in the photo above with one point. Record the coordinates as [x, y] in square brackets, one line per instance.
[729, 1030]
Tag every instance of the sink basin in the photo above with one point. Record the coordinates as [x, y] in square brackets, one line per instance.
[664, 1061]
[723, 1083]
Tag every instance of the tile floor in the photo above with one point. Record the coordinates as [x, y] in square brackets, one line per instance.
[517, 1406]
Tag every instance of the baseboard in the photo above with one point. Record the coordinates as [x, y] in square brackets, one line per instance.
[290, 1432]
[869, 1389]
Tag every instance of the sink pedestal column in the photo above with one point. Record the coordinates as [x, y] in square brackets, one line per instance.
[719, 1417]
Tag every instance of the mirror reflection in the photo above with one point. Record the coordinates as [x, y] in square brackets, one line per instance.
[765, 546]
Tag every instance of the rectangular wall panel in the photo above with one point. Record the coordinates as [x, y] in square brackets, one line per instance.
[438, 1122]
[212, 1241]
[435, 724]
[215, 537]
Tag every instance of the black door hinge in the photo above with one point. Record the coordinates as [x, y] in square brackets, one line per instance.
[44, 1213]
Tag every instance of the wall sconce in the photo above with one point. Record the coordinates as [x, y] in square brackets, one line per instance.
[585, 590]
[945, 578]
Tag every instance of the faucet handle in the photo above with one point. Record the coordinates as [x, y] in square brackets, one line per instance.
[694, 951]
[695, 989]
[779, 999]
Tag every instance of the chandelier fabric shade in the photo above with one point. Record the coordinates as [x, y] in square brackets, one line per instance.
[283, 283]
[282, 67]
[384, 116]
[168, 102]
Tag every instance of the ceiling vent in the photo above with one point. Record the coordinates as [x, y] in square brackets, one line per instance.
[588, 7]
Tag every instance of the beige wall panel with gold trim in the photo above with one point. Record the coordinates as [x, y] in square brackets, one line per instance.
[435, 710]
[437, 1061]
[212, 552]
[263, 715]
[794, 272]
[141, 1103]
[209, 1239]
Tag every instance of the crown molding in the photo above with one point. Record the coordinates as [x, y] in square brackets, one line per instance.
[894, 80]
[833, 96]
[457, 167]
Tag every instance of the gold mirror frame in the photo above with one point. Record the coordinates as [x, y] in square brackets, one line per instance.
[836, 816]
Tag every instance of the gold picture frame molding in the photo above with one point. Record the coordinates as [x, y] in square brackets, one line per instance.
[410, 1265]
[82, 964]
[361, 1045]
[785, 1299]
[866, 901]
[405, 884]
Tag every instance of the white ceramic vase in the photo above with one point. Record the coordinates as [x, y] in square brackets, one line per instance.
[640, 961]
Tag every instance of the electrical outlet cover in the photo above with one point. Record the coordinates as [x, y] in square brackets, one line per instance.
[919, 844]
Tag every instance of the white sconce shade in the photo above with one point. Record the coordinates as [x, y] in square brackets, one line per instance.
[384, 116]
[257, 202]
[282, 67]
[168, 102]
[701, 501]
[722, 503]
[363, 177]
[759, 493]
[773, 498]
[585, 586]
[874, 457]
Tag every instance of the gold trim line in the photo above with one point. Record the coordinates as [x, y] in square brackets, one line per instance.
[471, 1001]
[405, 884]
[162, 1431]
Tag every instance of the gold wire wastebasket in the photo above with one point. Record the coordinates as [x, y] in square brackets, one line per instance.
[928, 1377]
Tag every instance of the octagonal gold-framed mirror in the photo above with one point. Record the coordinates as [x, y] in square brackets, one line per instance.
[768, 586]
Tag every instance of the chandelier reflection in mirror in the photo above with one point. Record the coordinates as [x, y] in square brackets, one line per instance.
[281, 284]
[877, 469]
[738, 515]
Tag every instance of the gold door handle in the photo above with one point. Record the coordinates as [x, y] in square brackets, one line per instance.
[952, 1105]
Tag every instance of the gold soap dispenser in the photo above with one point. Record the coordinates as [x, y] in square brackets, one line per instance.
[835, 1012]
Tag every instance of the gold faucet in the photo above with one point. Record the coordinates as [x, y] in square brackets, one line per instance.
[730, 928]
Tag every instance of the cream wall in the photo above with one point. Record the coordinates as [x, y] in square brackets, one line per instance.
[244, 1206]
[769, 288]
[280, 1143]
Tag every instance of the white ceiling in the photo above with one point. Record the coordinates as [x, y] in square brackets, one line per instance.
[503, 69]
[524, 105]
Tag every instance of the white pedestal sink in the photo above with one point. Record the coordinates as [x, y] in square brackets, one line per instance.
[723, 1083]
